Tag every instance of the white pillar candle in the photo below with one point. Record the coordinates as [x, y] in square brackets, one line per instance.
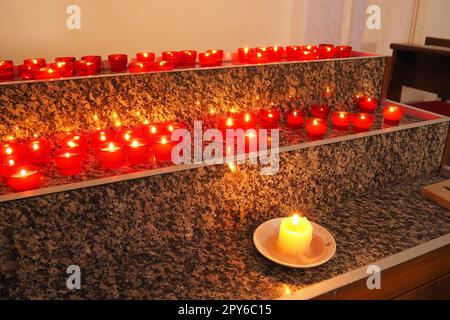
[295, 235]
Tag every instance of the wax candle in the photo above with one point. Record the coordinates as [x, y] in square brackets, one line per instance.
[327, 51]
[295, 118]
[138, 67]
[75, 142]
[295, 235]
[367, 104]
[46, 74]
[6, 76]
[40, 62]
[24, 178]
[137, 150]
[12, 149]
[85, 68]
[217, 54]
[170, 127]
[246, 120]
[65, 59]
[308, 52]
[269, 117]
[127, 135]
[163, 148]
[163, 66]
[26, 71]
[343, 51]
[207, 59]
[118, 62]
[65, 69]
[102, 136]
[341, 120]
[6, 70]
[172, 56]
[258, 57]
[244, 54]
[69, 161]
[392, 114]
[224, 123]
[188, 58]
[275, 53]
[362, 121]
[110, 154]
[151, 132]
[97, 60]
[148, 57]
[292, 53]
[320, 111]
[37, 151]
[8, 165]
[316, 127]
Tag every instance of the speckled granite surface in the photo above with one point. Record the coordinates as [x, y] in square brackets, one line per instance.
[222, 264]
[43, 107]
[135, 222]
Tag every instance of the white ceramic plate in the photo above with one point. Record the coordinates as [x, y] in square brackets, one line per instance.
[322, 248]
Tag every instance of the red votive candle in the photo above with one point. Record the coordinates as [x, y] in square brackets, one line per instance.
[8, 165]
[151, 132]
[246, 120]
[86, 68]
[295, 118]
[118, 62]
[75, 142]
[26, 71]
[207, 59]
[46, 74]
[138, 67]
[224, 123]
[128, 134]
[327, 51]
[392, 114]
[163, 66]
[362, 121]
[320, 111]
[145, 57]
[37, 151]
[163, 148]
[170, 127]
[97, 60]
[258, 57]
[217, 54]
[269, 117]
[6, 76]
[102, 136]
[367, 104]
[24, 178]
[316, 127]
[65, 69]
[188, 58]
[40, 62]
[110, 154]
[137, 150]
[275, 53]
[308, 52]
[11, 150]
[341, 120]
[6, 70]
[292, 53]
[69, 161]
[171, 56]
[343, 51]
[65, 59]
[244, 54]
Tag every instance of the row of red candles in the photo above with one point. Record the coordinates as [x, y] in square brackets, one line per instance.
[38, 69]
[113, 147]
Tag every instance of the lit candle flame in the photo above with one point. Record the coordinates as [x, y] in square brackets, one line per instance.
[71, 144]
[232, 167]
[315, 122]
[35, 146]
[153, 129]
[11, 162]
[163, 140]
[67, 155]
[247, 117]
[23, 172]
[126, 136]
[171, 128]
[295, 220]
[229, 122]
[135, 144]
[8, 151]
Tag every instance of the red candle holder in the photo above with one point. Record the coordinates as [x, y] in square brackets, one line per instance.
[151, 132]
[163, 66]
[217, 54]
[24, 178]
[127, 135]
[26, 71]
[258, 57]
[308, 52]
[228, 122]
[138, 67]
[170, 127]
[137, 150]
[341, 120]
[207, 59]
[292, 53]
[118, 62]
[65, 59]
[12, 149]
[68, 161]
[269, 117]
[65, 69]
[171, 56]
[367, 104]
[316, 127]
[244, 54]
[37, 151]
[46, 74]
[75, 142]
[188, 58]
[392, 114]
[6, 70]
[8, 165]
[163, 148]
[102, 136]
[362, 121]
[110, 154]
[40, 62]
[247, 120]
[275, 53]
[343, 51]
[320, 111]
[6, 76]
[86, 68]
[295, 118]
[97, 60]
[148, 57]
[327, 51]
